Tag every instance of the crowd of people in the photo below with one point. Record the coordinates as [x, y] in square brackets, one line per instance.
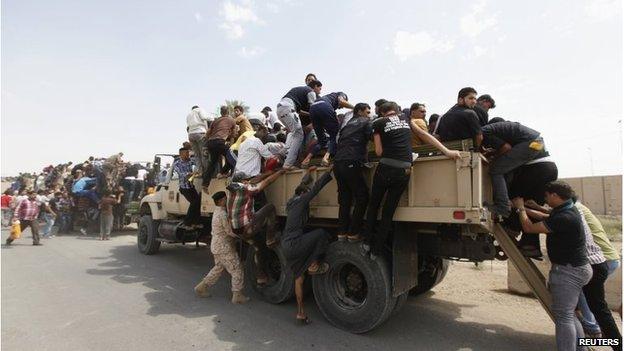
[71, 196]
[253, 152]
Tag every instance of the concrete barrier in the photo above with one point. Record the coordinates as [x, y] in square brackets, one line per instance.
[602, 195]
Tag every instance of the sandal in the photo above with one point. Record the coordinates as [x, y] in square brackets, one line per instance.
[354, 238]
[272, 243]
[262, 282]
[342, 237]
[303, 321]
[321, 269]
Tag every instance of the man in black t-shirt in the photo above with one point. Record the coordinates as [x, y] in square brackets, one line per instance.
[392, 135]
[482, 108]
[461, 121]
[570, 271]
[512, 145]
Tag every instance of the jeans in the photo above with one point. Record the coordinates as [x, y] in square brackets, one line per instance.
[594, 293]
[197, 141]
[287, 115]
[106, 224]
[49, 222]
[7, 213]
[391, 182]
[587, 317]
[64, 222]
[351, 186]
[217, 149]
[324, 120]
[194, 212]
[565, 284]
[519, 154]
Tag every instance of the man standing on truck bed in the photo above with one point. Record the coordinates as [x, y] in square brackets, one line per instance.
[197, 126]
[183, 166]
[461, 121]
[304, 250]
[245, 222]
[223, 248]
[220, 131]
[512, 146]
[296, 102]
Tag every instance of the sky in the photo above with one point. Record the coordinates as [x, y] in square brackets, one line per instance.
[82, 78]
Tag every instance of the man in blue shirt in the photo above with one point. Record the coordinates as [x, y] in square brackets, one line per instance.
[83, 187]
[183, 166]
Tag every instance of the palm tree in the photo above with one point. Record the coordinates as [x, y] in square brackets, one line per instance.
[230, 104]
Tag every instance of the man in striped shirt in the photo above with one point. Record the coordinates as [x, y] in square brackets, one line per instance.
[27, 212]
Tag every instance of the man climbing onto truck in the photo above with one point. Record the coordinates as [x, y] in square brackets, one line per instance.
[183, 166]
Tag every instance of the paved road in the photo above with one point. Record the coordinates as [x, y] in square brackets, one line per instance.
[77, 293]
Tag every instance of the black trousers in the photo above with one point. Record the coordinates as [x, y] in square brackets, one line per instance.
[595, 294]
[193, 213]
[391, 182]
[352, 188]
[217, 148]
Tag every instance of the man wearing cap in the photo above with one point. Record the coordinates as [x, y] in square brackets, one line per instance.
[482, 108]
[294, 104]
[246, 222]
[223, 248]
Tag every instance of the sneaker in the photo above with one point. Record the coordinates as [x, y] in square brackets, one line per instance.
[37, 244]
[83, 231]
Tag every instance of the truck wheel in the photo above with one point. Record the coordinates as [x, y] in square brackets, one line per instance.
[146, 239]
[281, 284]
[356, 293]
[435, 269]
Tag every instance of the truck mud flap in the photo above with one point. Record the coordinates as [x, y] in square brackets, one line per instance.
[404, 260]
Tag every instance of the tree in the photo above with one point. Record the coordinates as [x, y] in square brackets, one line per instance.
[230, 105]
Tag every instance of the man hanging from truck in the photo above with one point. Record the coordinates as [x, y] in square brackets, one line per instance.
[303, 251]
[183, 166]
[246, 223]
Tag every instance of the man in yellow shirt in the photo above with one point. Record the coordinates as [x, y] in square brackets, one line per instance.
[418, 112]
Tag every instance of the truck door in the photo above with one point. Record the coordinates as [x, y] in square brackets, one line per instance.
[172, 196]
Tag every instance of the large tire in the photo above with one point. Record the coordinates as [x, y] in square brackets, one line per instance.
[356, 293]
[281, 285]
[147, 237]
[434, 270]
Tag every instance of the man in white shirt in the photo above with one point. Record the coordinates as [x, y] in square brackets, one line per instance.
[197, 125]
[270, 118]
[252, 151]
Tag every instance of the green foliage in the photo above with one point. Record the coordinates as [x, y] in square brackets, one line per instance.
[230, 104]
[612, 226]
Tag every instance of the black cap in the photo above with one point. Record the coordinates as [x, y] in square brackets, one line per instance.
[488, 98]
[266, 108]
[218, 196]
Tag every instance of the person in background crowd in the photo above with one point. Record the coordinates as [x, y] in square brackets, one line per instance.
[183, 166]
[309, 78]
[349, 167]
[6, 207]
[323, 117]
[223, 248]
[570, 271]
[270, 118]
[241, 120]
[27, 212]
[304, 250]
[418, 113]
[50, 214]
[220, 132]
[247, 223]
[392, 138]
[433, 121]
[64, 206]
[106, 215]
[510, 146]
[461, 121]
[296, 102]
[482, 108]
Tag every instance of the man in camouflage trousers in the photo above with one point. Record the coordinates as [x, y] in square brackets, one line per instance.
[223, 248]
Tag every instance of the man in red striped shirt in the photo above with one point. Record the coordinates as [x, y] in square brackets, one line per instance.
[27, 212]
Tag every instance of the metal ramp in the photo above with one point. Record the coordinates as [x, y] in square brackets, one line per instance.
[529, 272]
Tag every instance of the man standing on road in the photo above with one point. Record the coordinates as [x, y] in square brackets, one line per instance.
[106, 215]
[570, 271]
[294, 104]
[183, 166]
[223, 248]
[220, 131]
[27, 212]
[197, 126]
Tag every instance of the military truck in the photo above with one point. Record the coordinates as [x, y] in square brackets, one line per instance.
[441, 217]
